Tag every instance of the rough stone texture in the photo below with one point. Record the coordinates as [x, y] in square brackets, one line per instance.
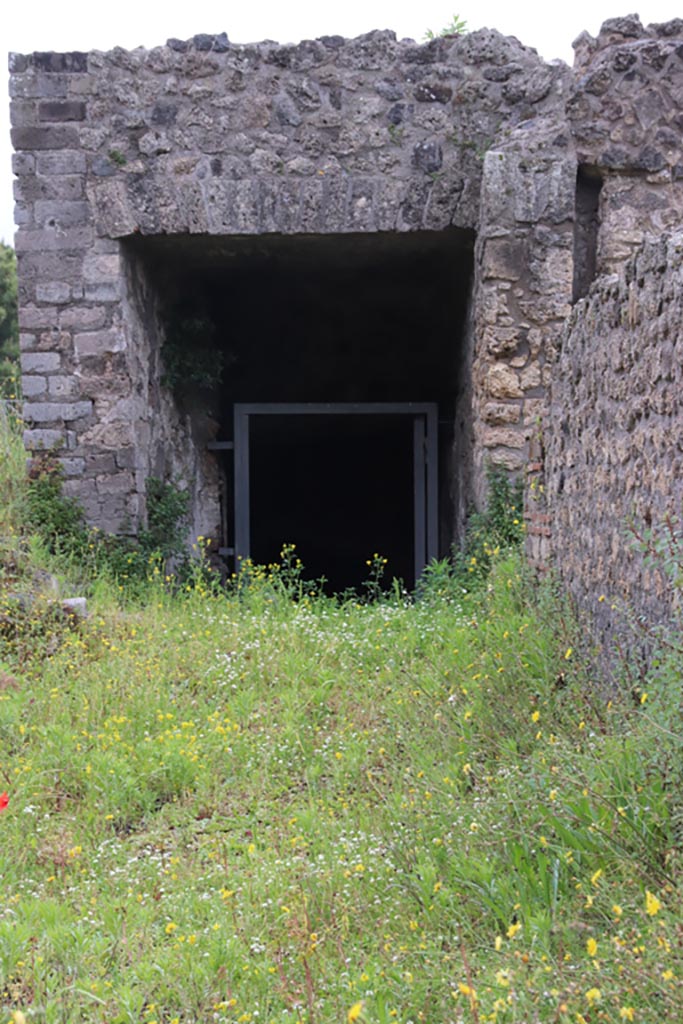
[615, 434]
[331, 136]
[203, 137]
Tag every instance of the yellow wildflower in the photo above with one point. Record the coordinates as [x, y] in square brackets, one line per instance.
[652, 904]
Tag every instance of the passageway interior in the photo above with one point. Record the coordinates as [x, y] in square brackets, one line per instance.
[330, 318]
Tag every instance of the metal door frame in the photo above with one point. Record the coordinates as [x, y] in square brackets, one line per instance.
[425, 464]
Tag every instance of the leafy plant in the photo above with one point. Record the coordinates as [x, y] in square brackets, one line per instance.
[59, 522]
[57, 519]
[167, 509]
[496, 530]
[191, 356]
[9, 325]
[457, 26]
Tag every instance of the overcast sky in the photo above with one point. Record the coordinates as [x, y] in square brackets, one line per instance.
[27, 25]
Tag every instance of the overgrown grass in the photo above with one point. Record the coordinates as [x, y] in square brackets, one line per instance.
[240, 808]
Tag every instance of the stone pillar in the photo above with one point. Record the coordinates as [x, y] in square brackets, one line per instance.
[523, 288]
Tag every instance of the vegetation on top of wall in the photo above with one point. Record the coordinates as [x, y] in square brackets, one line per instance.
[457, 26]
[9, 325]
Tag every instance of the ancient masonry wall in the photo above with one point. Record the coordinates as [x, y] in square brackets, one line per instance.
[367, 135]
[331, 136]
[615, 436]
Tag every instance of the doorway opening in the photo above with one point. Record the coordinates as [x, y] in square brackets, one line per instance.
[345, 483]
[376, 318]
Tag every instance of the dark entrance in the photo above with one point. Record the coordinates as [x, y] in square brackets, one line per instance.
[343, 482]
[358, 319]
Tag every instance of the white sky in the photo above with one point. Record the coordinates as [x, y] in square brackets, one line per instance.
[27, 25]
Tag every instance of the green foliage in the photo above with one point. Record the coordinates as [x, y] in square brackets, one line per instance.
[258, 789]
[9, 325]
[167, 510]
[661, 695]
[191, 356]
[265, 804]
[88, 553]
[58, 520]
[498, 528]
[495, 532]
[456, 27]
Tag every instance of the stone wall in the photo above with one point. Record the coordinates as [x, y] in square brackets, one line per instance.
[561, 173]
[204, 137]
[614, 434]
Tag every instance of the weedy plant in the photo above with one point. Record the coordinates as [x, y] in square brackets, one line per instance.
[238, 807]
[457, 26]
[58, 522]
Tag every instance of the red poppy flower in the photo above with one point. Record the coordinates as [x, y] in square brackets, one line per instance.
[4, 800]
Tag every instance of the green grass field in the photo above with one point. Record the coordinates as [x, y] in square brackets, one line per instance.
[244, 808]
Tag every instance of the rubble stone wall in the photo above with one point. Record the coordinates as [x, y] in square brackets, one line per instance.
[331, 136]
[615, 434]
[204, 137]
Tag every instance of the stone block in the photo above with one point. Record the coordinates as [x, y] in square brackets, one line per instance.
[505, 258]
[73, 466]
[33, 385]
[511, 459]
[40, 362]
[37, 440]
[531, 377]
[127, 458]
[502, 382]
[22, 112]
[60, 386]
[101, 463]
[498, 413]
[98, 343]
[23, 215]
[54, 137]
[77, 607]
[55, 412]
[61, 110]
[83, 318]
[428, 156]
[53, 291]
[54, 341]
[102, 269]
[494, 437]
[37, 317]
[360, 215]
[17, 62]
[49, 266]
[64, 162]
[62, 186]
[65, 213]
[23, 164]
[102, 292]
[60, 62]
[51, 239]
[120, 483]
